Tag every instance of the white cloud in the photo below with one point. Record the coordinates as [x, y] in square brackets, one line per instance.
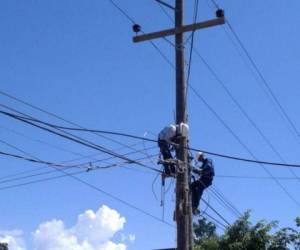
[98, 227]
[131, 237]
[13, 239]
[92, 231]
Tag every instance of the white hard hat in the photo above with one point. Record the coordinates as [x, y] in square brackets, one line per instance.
[184, 129]
[198, 154]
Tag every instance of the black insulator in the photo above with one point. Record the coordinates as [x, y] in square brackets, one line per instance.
[136, 28]
[220, 13]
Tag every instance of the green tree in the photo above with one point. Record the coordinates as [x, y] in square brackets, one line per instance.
[3, 246]
[205, 235]
[243, 235]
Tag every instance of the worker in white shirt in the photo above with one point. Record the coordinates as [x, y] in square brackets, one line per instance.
[167, 140]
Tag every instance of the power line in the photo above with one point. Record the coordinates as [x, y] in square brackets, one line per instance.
[163, 10]
[37, 161]
[93, 146]
[50, 145]
[155, 141]
[196, 6]
[266, 84]
[270, 92]
[216, 212]
[78, 165]
[72, 175]
[229, 93]
[243, 111]
[249, 151]
[225, 202]
[91, 167]
[55, 116]
[118, 199]
[131, 19]
[45, 143]
[215, 4]
[122, 11]
[244, 145]
[85, 183]
[20, 173]
[31, 160]
[215, 221]
[75, 139]
[218, 191]
[256, 177]
[102, 149]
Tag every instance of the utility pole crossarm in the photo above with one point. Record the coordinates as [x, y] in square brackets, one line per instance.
[179, 30]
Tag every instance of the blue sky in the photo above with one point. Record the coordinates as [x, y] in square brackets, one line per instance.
[77, 59]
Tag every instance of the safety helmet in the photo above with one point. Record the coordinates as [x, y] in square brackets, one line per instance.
[198, 155]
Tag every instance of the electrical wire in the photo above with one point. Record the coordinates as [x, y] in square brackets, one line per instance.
[116, 198]
[231, 96]
[216, 212]
[215, 3]
[152, 186]
[37, 161]
[243, 111]
[79, 165]
[77, 139]
[256, 177]
[84, 182]
[223, 201]
[155, 141]
[266, 84]
[72, 123]
[218, 191]
[46, 143]
[90, 156]
[206, 208]
[196, 7]
[215, 221]
[270, 92]
[90, 164]
[14, 178]
[131, 19]
[269, 173]
[244, 146]
[72, 175]
[20, 173]
[163, 10]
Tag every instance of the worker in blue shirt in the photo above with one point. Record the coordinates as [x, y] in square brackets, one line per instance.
[205, 178]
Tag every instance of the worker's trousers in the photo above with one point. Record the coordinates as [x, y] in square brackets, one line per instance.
[169, 168]
[197, 188]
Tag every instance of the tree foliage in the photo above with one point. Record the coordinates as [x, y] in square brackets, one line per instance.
[3, 246]
[243, 235]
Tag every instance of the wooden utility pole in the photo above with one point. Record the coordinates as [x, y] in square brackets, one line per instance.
[183, 213]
